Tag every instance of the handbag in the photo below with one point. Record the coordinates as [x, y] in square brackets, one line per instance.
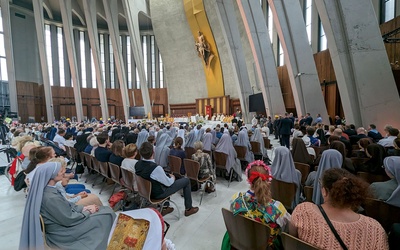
[332, 228]
[79, 169]
[19, 182]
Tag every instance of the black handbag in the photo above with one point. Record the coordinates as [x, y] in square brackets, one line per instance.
[19, 182]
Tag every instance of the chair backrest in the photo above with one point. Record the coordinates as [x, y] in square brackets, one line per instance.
[255, 147]
[308, 191]
[283, 192]
[358, 161]
[68, 150]
[383, 212]
[83, 159]
[95, 163]
[245, 233]
[192, 169]
[144, 187]
[304, 170]
[88, 160]
[189, 152]
[293, 243]
[115, 172]
[317, 150]
[175, 164]
[370, 178]
[220, 159]
[128, 178]
[240, 152]
[104, 169]
[42, 227]
[74, 153]
[267, 143]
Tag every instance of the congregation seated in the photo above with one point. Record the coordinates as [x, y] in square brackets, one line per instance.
[342, 193]
[299, 152]
[363, 144]
[360, 135]
[68, 226]
[59, 138]
[373, 133]
[179, 152]
[117, 152]
[376, 154]
[257, 203]
[389, 191]
[339, 133]
[225, 146]
[346, 164]
[130, 151]
[163, 185]
[283, 169]
[388, 141]
[243, 140]
[206, 167]
[102, 153]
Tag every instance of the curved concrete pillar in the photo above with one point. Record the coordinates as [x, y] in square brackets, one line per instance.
[303, 76]
[257, 33]
[364, 76]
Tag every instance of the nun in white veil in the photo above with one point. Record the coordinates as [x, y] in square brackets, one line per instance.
[257, 136]
[283, 169]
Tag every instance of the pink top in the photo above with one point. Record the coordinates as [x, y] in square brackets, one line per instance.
[364, 234]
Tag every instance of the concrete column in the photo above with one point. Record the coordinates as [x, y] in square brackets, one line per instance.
[111, 9]
[364, 76]
[89, 7]
[39, 24]
[257, 33]
[299, 59]
[66, 13]
[230, 31]
[132, 10]
[8, 45]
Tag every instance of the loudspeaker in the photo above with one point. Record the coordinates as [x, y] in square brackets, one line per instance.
[256, 103]
[137, 111]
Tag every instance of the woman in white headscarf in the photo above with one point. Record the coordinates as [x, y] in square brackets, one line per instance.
[330, 158]
[243, 140]
[283, 169]
[225, 146]
[389, 191]
[258, 137]
[68, 226]
[142, 137]
[162, 150]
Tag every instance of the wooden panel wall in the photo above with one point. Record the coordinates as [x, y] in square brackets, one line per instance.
[219, 105]
[183, 109]
[31, 101]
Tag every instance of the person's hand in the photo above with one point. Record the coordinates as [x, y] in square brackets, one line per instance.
[83, 194]
[172, 176]
[91, 209]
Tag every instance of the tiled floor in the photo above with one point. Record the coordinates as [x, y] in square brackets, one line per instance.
[203, 230]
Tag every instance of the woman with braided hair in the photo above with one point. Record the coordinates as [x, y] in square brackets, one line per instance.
[257, 203]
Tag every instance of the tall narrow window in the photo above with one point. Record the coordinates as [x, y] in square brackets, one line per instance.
[83, 59]
[153, 62]
[102, 57]
[388, 10]
[3, 62]
[47, 34]
[323, 42]
[161, 72]
[60, 46]
[112, 80]
[281, 57]
[308, 17]
[270, 23]
[144, 42]
[129, 61]
[94, 82]
[137, 79]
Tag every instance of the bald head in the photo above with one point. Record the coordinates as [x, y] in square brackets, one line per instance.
[361, 131]
[338, 132]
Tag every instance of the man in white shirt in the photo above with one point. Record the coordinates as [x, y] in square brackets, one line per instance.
[388, 141]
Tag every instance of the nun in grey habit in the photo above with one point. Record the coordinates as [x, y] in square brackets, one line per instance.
[243, 140]
[68, 226]
[225, 146]
[283, 169]
[142, 137]
[162, 150]
[330, 158]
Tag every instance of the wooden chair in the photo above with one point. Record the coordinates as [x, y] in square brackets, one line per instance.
[283, 192]
[370, 178]
[308, 192]
[358, 161]
[144, 190]
[220, 162]
[317, 150]
[105, 172]
[192, 169]
[241, 152]
[267, 143]
[383, 212]
[42, 227]
[292, 243]
[304, 170]
[128, 179]
[245, 233]
[175, 164]
[73, 156]
[189, 152]
[115, 174]
[88, 160]
[256, 149]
